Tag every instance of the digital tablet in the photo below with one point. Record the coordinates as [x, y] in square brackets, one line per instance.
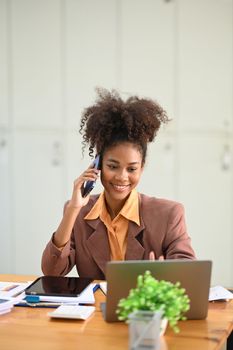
[58, 286]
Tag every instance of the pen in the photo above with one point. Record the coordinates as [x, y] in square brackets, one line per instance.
[34, 301]
[96, 286]
[38, 304]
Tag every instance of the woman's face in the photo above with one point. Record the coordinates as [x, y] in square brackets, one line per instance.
[121, 170]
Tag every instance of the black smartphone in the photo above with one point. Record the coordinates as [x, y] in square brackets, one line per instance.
[58, 286]
[89, 185]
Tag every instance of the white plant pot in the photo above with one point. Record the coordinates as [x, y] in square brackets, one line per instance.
[163, 326]
[145, 329]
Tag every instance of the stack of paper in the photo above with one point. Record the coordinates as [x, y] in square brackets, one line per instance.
[6, 305]
[219, 293]
[12, 289]
[9, 292]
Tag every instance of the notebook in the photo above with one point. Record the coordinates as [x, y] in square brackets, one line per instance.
[194, 276]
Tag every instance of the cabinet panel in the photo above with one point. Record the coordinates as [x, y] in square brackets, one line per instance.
[158, 178]
[38, 195]
[5, 205]
[36, 62]
[205, 186]
[205, 64]
[90, 52]
[147, 54]
[3, 65]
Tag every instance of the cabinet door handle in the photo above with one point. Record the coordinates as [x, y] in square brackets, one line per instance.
[2, 143]
[226, 158]
[56, 154]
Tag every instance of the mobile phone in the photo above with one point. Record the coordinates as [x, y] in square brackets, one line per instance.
[89, 185]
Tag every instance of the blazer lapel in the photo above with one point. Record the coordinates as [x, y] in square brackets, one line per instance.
[135, 250]
[99, 248]
[98, 244]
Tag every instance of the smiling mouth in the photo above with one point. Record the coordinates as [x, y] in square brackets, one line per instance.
[120, 188]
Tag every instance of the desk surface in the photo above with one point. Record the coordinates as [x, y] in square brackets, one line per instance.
[29, 328]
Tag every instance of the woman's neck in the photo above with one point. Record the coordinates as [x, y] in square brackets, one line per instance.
[114, 207]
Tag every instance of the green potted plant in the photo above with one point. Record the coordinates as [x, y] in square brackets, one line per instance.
[153, 295]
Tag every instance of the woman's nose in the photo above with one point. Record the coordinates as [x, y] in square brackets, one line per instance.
[121, 175]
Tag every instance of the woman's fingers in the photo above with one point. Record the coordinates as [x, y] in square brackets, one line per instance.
[152, 256]
[88, 175]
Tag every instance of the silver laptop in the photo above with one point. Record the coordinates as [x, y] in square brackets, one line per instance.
[194, 276]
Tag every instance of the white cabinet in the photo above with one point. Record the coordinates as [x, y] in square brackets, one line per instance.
[6, 222]
[35, 43]
[38, 195]
[205, 187]
[91, 53]
[205, 64]
[3, 65]
[5, 149]
[52, 55]
[159, 175]
[147, 51]
[205, 124]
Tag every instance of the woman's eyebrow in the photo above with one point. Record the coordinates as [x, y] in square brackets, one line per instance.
[113, 160]
[117, 162]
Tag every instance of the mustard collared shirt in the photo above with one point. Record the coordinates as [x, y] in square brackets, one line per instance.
[118, 227]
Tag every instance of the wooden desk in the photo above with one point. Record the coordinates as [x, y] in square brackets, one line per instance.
[30, 328]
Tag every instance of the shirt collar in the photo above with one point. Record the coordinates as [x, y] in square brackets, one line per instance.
[130, 209]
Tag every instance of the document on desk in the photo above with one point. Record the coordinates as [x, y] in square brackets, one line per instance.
[10, 295]
[6, 305]
[219, 293]
[12, 289]
[103, 287]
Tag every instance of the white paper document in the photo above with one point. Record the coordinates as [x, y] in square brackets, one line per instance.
[6, 305]
[103, 287]
[219, 293]
[12, 289]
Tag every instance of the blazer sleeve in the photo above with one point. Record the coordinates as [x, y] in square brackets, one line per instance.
[177, 243]
[56, 262]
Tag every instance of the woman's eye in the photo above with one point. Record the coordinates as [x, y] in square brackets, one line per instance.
[131, 170]
[111, 166]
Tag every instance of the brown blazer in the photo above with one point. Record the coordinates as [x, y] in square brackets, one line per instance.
[162, 230]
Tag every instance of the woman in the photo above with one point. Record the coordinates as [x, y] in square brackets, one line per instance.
[120, 223]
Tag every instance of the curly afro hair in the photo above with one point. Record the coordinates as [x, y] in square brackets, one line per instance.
[111, 121]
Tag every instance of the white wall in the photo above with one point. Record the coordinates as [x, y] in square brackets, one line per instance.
[53, 53]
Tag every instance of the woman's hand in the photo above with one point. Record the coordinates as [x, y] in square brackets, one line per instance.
[152, 256]
[77, 200]
[72, 208]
